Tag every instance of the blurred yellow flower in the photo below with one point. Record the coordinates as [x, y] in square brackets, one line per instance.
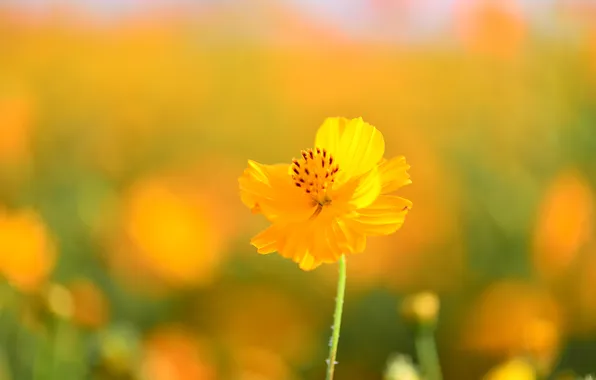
[169, 230]
[515, 318]
[59, 301]
[255, 363]
[515, 369]
[421, 307]
[494, 28]
[16, 121]
[327, 202]
[27, 253]
[565, 223]
[172, 353]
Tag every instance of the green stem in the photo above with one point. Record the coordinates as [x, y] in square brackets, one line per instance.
[339, 304]
[428, 356]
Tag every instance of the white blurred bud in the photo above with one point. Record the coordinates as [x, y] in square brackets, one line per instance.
[400, 367]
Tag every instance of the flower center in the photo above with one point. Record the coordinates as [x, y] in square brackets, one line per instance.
[315, 173]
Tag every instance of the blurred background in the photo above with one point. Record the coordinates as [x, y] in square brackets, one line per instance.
[124, 125]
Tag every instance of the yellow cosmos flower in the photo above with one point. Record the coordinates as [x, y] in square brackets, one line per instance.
[326, 203]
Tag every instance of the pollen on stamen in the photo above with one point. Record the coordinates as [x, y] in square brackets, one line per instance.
[314, 173]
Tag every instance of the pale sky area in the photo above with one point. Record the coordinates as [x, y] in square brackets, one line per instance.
[368, 19]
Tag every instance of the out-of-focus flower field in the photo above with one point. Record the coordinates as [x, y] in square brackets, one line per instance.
[124, 247]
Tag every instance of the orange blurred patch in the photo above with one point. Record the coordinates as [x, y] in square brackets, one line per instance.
[16, 124]
[172, 231]
[254, 363]
[514, 318]
[493, 28]
[265, 318]
[564, 223]
[172, 353]
[90, 306]
[27, 252]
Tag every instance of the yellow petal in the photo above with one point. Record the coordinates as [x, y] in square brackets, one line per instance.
[368, 189]
[321, 240]
[349, 239]
[385, 216]
[268, 189]
[308, 262]
[356, 145]
[394, 174]
[267, 240]
[357, 193]
[330, 132]
[295, 241]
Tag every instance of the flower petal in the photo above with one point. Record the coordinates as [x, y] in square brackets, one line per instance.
[358, 192]
[320, 240]
[267, 240]
[385, 216]
[330, 132]
[394, 174]
[350, 239]
[268, 189]
[291, 241]
[368, 189]
[356, 145]
[308, 262]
